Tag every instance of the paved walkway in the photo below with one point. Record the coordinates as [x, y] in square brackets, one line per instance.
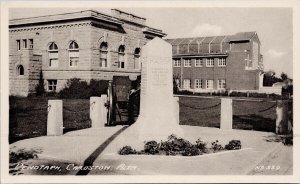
[97, 147]
[74, 146]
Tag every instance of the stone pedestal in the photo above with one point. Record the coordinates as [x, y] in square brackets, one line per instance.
[282, 121]
[103, 110]
[176, 109]
[226, 114]
[55, 118]
[157, 119]
[96, 106]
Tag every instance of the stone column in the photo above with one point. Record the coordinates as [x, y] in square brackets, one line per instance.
[176, 109]
[95, 112]
[55, 118]
[226, 114]
[282, 125]
[261, 80]
[103, 110]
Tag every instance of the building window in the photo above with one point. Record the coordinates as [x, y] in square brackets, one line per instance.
[137, 63]
[221, 84]
[73, 53]
[249, 63]
[186, 83]
[103, 54]
[53, 55]
[199, 62]
[121, 55]
[198, 84]
[20, 70]
[177, 62]
[18, 44]
[187, 63]
[24, 43]
[221, 62]
[31, 43]
[209, 84]
[52, 85]
[210, 62]
[177, 82]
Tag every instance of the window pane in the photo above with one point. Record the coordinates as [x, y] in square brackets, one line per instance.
[74, 53]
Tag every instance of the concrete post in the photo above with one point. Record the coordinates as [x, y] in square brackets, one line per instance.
[226, 114]
[103, 110]
[282, 125]
[55, 118]
[95, 112]
[176, 109]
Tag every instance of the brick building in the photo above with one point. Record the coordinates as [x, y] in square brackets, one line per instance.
[86, 45]
[231, 62]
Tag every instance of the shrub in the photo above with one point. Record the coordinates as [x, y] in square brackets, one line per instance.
[22, 154]
[127, 150]
[191, 151]
[151, 147]
[174, 144]
[233, 145]
[75, 88]
[216, 147]
[98, 87]
[201, 145]
[40, 87]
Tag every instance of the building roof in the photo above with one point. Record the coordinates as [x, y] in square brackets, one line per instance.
[118, 17]
[241, 36]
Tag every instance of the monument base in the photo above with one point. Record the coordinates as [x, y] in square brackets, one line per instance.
[149, 129]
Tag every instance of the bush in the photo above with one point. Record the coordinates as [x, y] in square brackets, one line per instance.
[98, 87]
[191, 151]
[233, 145]
[127, 150]
[77, 89]
[40, 87]
[22, 154]
[201, 145]
[151, 147]
[216, 147]
[174, 144]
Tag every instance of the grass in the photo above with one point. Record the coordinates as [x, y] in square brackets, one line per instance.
[28, 116]
[246, 114]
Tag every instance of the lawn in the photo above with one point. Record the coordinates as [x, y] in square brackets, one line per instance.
[247, 115]
[28, 116]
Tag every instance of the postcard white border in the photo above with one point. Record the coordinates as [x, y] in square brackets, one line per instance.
[6, 178]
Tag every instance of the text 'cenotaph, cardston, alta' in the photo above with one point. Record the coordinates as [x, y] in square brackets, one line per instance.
[158, 112]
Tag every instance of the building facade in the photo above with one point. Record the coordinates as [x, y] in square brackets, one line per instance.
[205, 64]
[86, 45]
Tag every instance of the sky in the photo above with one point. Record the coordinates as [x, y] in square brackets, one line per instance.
[274, 26]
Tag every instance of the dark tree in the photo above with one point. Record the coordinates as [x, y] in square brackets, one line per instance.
[40, 87]
[270, 78]
[284, 76]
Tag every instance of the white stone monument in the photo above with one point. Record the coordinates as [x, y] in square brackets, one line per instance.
[55, 118]
[226, 114]
[157, 119]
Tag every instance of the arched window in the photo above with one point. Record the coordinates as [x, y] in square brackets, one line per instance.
[53, 55]
[73, 53]
[20, 70]
[137, 63]
[103, 54]
[121, 54]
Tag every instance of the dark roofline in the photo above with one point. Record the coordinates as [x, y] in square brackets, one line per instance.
[229, 38]
[80, 15]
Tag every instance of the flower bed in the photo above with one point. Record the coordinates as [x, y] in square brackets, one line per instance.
[179, 146]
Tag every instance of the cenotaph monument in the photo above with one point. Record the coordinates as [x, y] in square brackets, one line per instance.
[158, 115]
